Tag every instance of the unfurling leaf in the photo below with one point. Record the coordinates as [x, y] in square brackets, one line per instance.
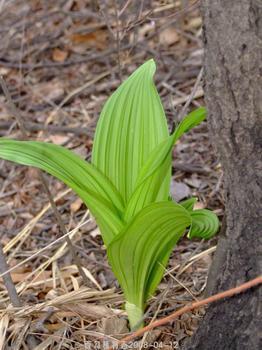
[205, 224]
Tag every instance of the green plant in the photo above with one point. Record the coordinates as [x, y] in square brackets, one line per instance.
[126, 185]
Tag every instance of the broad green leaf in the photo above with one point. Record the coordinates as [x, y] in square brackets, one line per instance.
[156, 168]
[135, 251]
[158, 269]
[147, 191]
[205, 224]
[131, 125]
[97, 192]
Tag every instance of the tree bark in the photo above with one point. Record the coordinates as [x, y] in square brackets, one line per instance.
[233, 91]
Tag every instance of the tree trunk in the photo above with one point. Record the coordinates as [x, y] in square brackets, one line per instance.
[233, 90]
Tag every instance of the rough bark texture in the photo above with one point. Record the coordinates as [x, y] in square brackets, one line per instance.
[233, 84]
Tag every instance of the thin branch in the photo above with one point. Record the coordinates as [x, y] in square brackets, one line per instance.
[117, 39]
[12, 107]
[16, 114]
[189, 99]
[192, 94]
[120, 12]
[8, 282]
[7, 279]
[53, 129]
[181, 12]
[64, 230]
[226, 294]
[21, 263]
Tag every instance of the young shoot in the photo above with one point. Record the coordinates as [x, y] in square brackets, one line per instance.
[126, 185]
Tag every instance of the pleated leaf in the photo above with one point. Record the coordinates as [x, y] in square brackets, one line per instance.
[205, 224]
[138, 248]
[132, 123]
[159, 268]
[127, 185]
[157, 167]
[97, 192]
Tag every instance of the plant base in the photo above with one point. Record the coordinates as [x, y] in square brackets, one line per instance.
[135, 315]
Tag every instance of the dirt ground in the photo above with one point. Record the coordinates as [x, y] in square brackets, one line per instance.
[61, 60]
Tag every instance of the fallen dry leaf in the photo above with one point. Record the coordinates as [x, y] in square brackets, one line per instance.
[89, 310]
[19, 277]
[169, 36]
[76, 205]
[54, 326]
[49, 91]
[59, 55]
[194, 23]
[59, 139]
[81, 42]
[113, 325]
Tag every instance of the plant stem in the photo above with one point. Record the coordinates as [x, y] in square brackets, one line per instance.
[135, 315]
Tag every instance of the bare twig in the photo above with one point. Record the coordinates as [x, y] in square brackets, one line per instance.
[31, 126]
[190, 98]
[120, 12]
[226, 294]
[180, 12]
[50, 64]
[12, 107]
[64, 231]
[16, 114]
[117, 39]
[78, 90]
[192, 94]
[8, 282]
[2, 274]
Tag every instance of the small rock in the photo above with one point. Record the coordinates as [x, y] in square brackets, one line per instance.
[179, 191]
